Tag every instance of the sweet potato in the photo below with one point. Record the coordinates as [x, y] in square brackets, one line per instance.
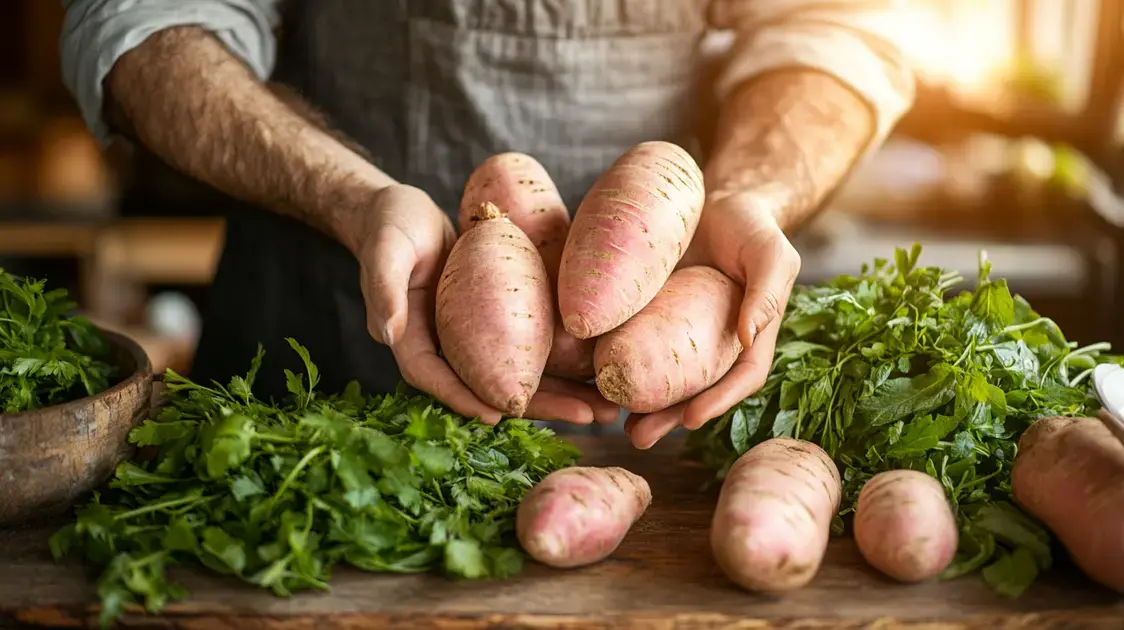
[904, 526]
[494, 315]
[578, 516]
[630, 231]
[682, 342]
[520, 185]
[773, 519]
[1069, 473]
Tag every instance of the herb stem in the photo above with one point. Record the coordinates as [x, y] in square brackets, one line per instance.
[304, 461]
[1028, 325]
[276, 439]
[1080, 377]
[964, 355]
[1100, 346]
[147, 560]
[156, 507]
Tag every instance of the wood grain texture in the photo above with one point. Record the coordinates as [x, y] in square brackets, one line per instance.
[662, 578]
[49, 457]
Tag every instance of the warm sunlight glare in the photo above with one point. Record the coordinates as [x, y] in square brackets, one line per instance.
[959, 43]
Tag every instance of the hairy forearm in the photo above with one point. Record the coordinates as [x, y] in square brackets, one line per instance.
[187, 99]
[789, 138]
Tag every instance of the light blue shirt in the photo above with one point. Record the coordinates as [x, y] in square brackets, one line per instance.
[845, 38]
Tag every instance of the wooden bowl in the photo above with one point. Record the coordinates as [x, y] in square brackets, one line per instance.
[50, 457]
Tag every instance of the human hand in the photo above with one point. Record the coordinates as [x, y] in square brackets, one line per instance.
[402, 245]
[737, 235]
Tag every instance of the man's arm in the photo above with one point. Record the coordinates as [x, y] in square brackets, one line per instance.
[808, 88]
[788, 138]
[185, 78]
[187, 99]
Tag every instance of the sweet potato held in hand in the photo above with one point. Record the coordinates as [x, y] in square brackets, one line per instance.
[521, 186]
[579, 516]
[681, 343]
[1069, 473]
[629, 233]
[494, 314]
[773, 519]
[904, 526]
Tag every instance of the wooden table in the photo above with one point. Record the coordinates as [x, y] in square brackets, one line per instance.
[662, 578]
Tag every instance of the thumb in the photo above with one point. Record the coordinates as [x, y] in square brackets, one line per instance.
[388, 262]
[768, 285]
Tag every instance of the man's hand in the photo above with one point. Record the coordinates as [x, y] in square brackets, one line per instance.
[784, 140]
[401, 243]
[741, 238]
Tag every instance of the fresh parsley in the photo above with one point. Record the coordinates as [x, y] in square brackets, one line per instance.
[276, 495]
[48, 355]
[884, 372]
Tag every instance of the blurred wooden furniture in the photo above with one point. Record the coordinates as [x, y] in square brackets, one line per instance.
[128, 254]
[117, 260]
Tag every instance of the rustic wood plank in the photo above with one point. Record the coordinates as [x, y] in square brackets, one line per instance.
[662, 578]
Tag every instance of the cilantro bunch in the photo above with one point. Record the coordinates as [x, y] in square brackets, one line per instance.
[884, 372]
[48, 355]
[277, 494]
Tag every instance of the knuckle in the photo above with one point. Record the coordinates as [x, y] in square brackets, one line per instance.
[770, 304]
[374, 332]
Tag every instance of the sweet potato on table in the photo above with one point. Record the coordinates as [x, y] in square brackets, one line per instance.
[904, 526]
[520, 185]
[1069, 473]
[629, 233]
[773, 519]
[494, 313]
[681, 343]
[578, 516]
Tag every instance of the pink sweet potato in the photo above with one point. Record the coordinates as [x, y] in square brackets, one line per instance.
[520, 185]
[629, 233]
[681, 343]
[494, 314]
[773, 519]
[1069, 473]
[904, 526]
[578, 516]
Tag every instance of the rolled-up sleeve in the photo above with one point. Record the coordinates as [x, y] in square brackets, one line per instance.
[96, 33]
[848, 39]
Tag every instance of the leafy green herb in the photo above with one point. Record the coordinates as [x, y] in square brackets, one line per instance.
[48, 355]
[884, 373]
[276, 495]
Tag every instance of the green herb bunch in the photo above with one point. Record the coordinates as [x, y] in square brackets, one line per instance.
[884, 373]
[278, 494]
[48, 355]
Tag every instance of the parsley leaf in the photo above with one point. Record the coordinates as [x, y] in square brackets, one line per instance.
[885, 371]
[48, 355]
[277, 494]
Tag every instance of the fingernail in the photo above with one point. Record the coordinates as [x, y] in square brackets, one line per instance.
[388, 334]
[752, 333]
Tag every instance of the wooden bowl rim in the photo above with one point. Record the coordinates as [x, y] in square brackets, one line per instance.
[143, 371]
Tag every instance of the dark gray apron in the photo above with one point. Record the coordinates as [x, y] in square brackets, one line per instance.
[431, 88]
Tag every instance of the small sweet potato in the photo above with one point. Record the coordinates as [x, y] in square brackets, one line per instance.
[681, 343]
[629, 233]
[580, 515]
[773, 519]
[494, 313]
[1069, 473]
[520, 185]
[904, 526]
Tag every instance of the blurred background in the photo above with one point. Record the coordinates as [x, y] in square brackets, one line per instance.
[1014, 145]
